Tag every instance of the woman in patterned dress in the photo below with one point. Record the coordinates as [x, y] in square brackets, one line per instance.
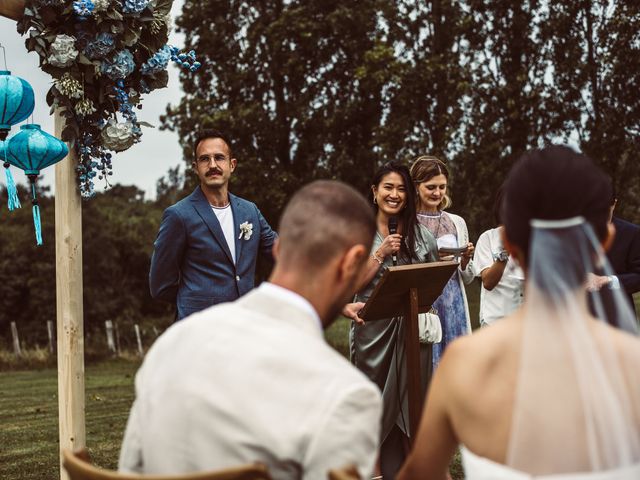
[431, 177]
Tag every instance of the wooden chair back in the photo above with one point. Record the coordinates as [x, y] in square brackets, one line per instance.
[78, 466]
[347, 473]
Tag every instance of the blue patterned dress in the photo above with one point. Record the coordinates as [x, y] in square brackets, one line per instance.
[450, 305]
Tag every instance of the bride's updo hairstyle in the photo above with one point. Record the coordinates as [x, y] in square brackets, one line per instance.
[554, 183]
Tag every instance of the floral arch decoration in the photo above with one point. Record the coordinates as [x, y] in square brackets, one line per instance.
[103, 56]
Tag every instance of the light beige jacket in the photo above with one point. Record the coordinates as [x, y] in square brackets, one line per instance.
[250, 381]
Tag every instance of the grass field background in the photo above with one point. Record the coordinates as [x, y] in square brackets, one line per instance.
[29, 418]
[29, 410]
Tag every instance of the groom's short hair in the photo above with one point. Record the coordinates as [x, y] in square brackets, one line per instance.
[322, 220]
[210, 133]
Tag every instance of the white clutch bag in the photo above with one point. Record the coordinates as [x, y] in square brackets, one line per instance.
[429, 327]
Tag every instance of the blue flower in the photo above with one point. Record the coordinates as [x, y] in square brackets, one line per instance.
[157, 62]
[83, 8]
[134, 6]
[101, 46]
[184, 60]
[120, 67]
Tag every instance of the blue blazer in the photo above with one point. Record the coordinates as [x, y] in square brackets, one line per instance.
[624, 256]
[192, 264]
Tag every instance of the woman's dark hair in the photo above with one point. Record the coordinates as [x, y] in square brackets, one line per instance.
[554, 183]
[407, 217]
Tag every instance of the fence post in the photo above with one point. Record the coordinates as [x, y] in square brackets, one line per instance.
[50, 334]
[16, 341]
[108, 325]
[137, 329]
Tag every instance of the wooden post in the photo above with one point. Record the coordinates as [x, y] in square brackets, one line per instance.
[50, 335]
[71, 406]
[412, 348]
[139, 339]
[13, 9]
[111, 344]
[16, 340]
[68, 287]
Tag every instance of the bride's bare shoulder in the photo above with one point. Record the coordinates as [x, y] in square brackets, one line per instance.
[626, 343]
[489, 341]
[473, 358]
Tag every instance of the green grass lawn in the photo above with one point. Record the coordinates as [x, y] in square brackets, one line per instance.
[29, 418]
[29, 410]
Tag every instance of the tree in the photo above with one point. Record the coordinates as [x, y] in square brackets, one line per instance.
[27, 289]
[596, 74]
[297, 85]
[119, 228]
[331, 90]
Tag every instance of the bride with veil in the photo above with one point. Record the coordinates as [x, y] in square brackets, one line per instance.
[552, 391]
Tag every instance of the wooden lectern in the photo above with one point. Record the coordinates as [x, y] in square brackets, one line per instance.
[405, 291]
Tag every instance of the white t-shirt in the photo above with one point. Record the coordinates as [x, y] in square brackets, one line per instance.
[225, 217]
[508, 294]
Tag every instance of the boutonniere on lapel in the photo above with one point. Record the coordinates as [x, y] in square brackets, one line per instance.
[246, 229]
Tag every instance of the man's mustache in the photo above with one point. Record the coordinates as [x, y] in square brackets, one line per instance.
[213, 171]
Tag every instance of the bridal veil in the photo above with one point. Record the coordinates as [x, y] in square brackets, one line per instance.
[577, 400]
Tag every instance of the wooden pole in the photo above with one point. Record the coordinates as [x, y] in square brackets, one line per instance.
[71, 406]
[111, 344]
[70, 342]
[16, 340]
[412, 349]
[136, 327]
[50, 334]
[13, 9]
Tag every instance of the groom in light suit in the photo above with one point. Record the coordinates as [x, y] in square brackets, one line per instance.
[208, 243]
[254, 380]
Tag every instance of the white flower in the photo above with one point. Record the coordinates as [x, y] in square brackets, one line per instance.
[85, 107]
[101, 5]
[246, 229]
[69, 86]
[62, 51]
[118, 136]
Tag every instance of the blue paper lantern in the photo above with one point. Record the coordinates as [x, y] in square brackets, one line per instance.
[16, 101]
[31, 150]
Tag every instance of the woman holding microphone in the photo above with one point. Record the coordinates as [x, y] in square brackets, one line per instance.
[377, 348]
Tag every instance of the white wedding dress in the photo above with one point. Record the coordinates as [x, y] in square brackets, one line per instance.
[576, 410]
[480, 468]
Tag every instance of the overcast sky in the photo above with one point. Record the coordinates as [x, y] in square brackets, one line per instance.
[141, 165]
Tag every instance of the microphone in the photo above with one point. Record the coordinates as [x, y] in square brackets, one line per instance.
[393, 229]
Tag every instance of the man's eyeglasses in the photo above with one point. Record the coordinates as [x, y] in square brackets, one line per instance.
[206, 159]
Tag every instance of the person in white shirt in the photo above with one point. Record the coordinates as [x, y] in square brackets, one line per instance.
[502, 279]
[254, 380]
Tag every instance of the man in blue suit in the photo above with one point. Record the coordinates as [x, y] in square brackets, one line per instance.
[208, 242]
[624, 257]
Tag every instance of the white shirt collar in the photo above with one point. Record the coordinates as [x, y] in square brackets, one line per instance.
[291, 297]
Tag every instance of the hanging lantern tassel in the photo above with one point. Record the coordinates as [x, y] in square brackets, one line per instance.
[36, 209]
[12, 191]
